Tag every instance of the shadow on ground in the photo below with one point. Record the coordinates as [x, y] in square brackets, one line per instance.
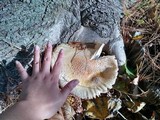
[9, 76]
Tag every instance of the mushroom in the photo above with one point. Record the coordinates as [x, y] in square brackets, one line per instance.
[95, 76]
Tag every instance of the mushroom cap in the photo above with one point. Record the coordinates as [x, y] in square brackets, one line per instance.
[95, 76]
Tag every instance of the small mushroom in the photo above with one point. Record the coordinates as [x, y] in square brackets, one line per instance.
[95, 76]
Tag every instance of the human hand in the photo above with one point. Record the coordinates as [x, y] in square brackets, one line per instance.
[41, 94]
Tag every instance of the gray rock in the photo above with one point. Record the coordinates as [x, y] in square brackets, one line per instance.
[26, 22]
[29, 22]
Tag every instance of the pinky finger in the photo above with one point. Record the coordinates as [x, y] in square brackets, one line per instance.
[21, 70]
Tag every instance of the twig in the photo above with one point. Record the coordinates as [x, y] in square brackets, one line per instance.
[138, 95]
[122, 115]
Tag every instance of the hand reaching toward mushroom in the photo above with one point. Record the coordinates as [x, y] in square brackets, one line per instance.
[41, 96]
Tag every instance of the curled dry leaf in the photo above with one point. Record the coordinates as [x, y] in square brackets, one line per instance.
[95, 76]
[68, 112]
[75, 102]
[101, 107]
[137, 36]
[135, 80]
[96, 108]
[135, 106]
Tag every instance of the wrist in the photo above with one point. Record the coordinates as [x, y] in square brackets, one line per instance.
[20, 111]
[27, 110]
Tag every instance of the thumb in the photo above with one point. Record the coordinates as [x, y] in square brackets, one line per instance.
[69, 87]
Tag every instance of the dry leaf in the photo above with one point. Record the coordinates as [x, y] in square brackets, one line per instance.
[75, 102]
[136, 106]
[137, 36]
[68, 111]
[96, 108]
[136, 80]
[101, 107]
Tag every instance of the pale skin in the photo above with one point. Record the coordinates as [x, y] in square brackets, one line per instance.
[41, 96]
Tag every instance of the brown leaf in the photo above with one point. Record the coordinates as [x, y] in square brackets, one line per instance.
[101, 107]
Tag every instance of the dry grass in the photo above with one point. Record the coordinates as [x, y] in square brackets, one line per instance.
[144, 17]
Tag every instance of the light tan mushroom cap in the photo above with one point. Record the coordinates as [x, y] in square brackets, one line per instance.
[95, 76]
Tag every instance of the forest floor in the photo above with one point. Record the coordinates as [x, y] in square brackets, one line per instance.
[141, 33]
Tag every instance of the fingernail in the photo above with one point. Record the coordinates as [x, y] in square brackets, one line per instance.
[36, 47]
[17, 62]
[49, 44]
[75, 82]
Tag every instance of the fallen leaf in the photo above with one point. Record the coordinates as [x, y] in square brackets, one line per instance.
[101, 107]
[96, 108]
[135, 106]
[135, 80]
[68, 111]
